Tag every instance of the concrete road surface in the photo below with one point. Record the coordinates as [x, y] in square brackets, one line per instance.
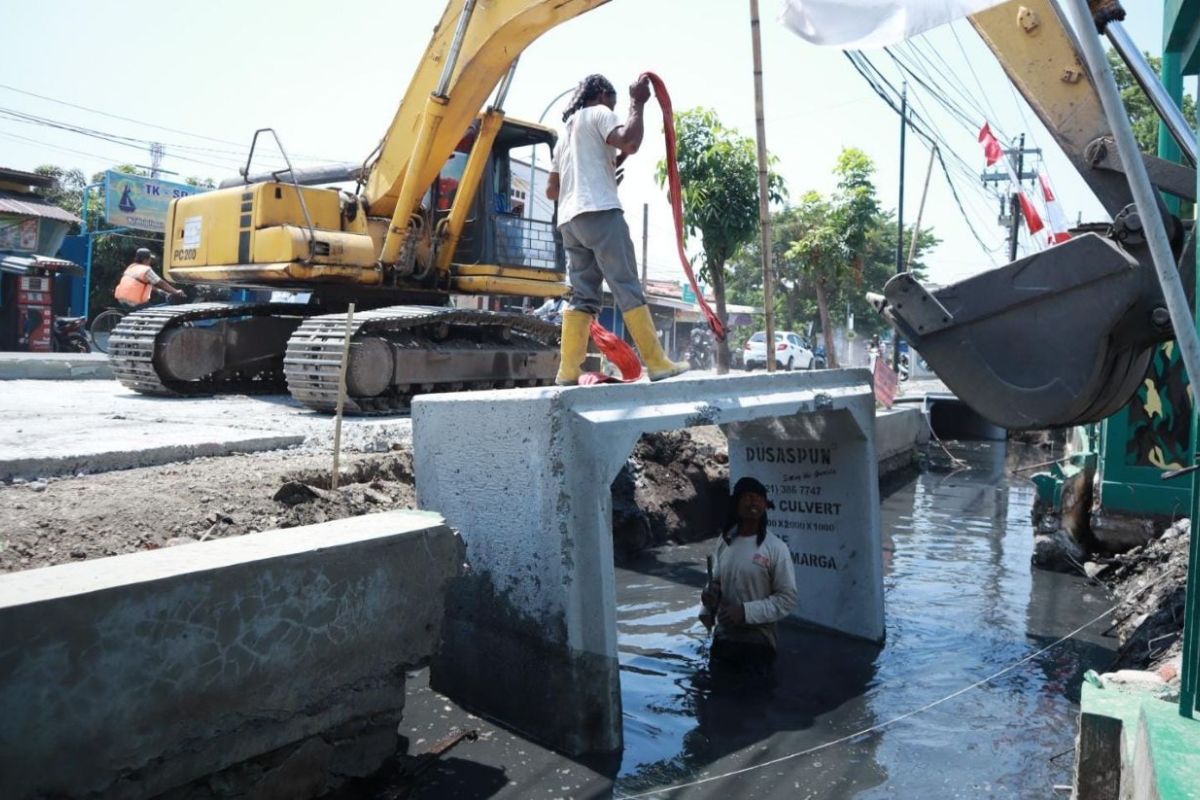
[52, 428]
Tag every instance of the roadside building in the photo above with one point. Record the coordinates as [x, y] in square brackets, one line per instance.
[31, 277]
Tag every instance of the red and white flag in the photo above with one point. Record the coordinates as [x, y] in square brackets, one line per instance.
[1058, 220]
[992, 148]
[994, 152]
[858, 24]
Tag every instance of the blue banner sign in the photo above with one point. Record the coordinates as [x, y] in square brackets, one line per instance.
[131, 201]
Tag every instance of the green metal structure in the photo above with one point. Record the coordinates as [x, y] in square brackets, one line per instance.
[1147, 437]
[1154, 432]
[1181, 56]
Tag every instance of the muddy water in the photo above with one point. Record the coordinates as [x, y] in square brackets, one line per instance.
[962, 602]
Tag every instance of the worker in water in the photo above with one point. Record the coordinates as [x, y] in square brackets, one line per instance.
[140, 281]
[753, 585]
[583, 179]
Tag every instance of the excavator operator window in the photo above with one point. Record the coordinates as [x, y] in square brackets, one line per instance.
[523, 221]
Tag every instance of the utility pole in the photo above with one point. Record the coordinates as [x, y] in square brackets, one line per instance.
[900, 214]
[1015, 229]
[156, 157]
[764, 211]
[1013, 219]
[645, 240]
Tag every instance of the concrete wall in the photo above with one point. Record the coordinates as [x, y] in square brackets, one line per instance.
[54, 366]
[898, 431]
[530, 496]
[131, 675]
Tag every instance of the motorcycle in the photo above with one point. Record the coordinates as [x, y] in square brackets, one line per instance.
[819, 359]
[69, 336]
[701, 350]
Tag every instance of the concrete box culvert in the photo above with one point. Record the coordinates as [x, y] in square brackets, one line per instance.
[527, 485]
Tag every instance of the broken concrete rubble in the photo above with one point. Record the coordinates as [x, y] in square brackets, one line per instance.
[1150, 583]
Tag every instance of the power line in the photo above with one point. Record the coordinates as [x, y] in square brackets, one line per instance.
[948, 74]
[96, 156]
[124, 141]
[982, 94]
[955, 111]
[925, 134]
[232, 156]
[964, 119]
[240, 145]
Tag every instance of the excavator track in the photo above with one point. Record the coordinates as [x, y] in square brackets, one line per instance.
[424, 333]
[135, 343]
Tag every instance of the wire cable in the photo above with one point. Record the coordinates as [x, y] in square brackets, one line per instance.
[983, 95]
[917, 123]
[97, 156]
[124, 141]
[143, 123]
[929, 138]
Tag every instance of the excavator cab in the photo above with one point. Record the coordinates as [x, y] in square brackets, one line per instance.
[506, 225]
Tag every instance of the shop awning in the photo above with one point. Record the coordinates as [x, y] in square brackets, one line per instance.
[32, 206]
[23, 265]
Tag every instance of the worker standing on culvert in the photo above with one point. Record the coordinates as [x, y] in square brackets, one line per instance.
[583, 180]
[753, 585]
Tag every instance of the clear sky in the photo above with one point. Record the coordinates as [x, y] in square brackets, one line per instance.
[328, 76]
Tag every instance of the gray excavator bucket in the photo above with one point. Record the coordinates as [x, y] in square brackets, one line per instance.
[1062, 337]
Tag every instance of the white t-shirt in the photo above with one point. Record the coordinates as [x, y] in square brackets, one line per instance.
[761, 578]
[584, 163]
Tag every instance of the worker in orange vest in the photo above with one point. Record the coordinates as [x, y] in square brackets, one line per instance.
[140, 281]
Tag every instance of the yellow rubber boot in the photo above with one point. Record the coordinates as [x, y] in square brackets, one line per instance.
[641, 327]
[576, 330]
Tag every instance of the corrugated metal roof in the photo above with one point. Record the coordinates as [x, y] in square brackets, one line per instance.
[33, 207]
[20, 265]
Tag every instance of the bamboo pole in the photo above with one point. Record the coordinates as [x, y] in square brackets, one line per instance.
[764, 211]
[912, 248]
[341, 398]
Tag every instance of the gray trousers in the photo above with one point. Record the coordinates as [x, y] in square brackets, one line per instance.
[599, 248]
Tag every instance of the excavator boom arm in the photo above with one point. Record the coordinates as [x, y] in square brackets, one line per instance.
[496, 33]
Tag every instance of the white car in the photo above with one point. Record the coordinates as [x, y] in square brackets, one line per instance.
[791, 351]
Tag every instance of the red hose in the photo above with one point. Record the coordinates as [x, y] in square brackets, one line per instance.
[618, 352]
[675, 192]
[614, 348]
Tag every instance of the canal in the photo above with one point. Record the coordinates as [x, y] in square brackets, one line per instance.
[848, 719]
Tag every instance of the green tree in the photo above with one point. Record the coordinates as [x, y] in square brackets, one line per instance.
[67, 191]
[718, 168]
[831, 235]
[839, 247]
[1141, 113]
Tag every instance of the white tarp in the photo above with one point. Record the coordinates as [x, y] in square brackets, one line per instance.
[859, 24]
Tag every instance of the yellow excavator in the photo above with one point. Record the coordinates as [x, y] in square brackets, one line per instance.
[1058, 338]
[431, 219]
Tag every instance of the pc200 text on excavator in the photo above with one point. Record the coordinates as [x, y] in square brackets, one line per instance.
[400, 246]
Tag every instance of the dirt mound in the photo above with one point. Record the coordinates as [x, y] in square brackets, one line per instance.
[673, 488]
[365, 487]
[75, 519]
[1149, 583]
